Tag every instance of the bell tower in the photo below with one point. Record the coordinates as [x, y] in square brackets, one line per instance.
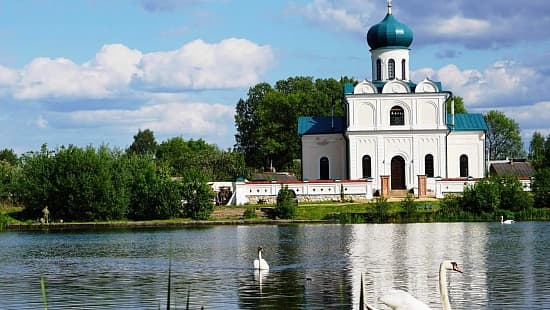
[390, 42]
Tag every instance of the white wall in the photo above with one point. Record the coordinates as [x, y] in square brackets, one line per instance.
[471, 144]
[371, 112]
[314, 147]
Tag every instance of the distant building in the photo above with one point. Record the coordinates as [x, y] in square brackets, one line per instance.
[513, 167]
[396, 133]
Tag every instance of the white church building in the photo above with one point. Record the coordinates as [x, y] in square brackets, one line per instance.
[395, 137]
[396, 133]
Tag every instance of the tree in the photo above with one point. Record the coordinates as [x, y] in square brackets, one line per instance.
[537, 150]
[9, 156]
[197, 196]
[33, 184]
[504, 137]
[215, 164]
[153, 193]
[541, 188]
[459, 105]
[547, 152]
[144, 143]
[267, 120]
[512, 195]
[483, 196]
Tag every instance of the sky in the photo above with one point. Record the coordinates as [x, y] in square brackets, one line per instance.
[94, 72]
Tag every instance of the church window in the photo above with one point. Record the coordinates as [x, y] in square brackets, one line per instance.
[397, 116]
[378, 70]
[323, 168]
[463, 166]
[429, 166]
[391, 69]
[403, 67]
[367, 171]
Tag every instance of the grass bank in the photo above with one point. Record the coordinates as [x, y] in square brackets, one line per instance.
[322, 212]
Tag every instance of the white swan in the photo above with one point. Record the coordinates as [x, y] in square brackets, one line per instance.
[502, 221]
[260, 263]
[398, 299]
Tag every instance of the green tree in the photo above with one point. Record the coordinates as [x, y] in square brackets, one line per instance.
[214, 164]
[197, 196]
[286, 203]
[88, 185]
[512, 195]
[6, 174]
[459, 105]
[537, 150]
[9, 156]
[267, 120]
[541, 188]
[547, 152]
[153, 193]
[483, 196]
[144, 143]
[504, 137]
[33, 184]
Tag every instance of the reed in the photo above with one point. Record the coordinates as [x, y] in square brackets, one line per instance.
[43, 289]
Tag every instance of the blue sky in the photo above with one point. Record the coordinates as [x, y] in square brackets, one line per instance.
[92, 72]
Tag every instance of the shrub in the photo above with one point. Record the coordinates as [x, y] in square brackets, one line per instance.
[409, 206]
[450, 205]
[380, 205]
[484, 196]
[286, 203]
[249, 212]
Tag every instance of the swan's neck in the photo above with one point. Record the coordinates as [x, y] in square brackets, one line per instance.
[443, 288]
[260, 256]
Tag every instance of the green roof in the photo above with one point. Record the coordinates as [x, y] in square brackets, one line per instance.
[389, 33]
[467, 122]
[308, 125]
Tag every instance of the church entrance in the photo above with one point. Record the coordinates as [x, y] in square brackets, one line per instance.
[398, 173]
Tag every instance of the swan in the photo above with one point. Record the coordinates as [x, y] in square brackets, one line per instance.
[397, 299]
[502, 221]
[260, 263]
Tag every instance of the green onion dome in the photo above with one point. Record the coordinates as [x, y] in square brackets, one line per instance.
[389, 33]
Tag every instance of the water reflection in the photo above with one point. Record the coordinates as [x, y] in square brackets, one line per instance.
[311, 266]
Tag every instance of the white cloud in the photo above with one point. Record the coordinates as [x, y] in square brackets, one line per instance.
[105, 76]
[172, 118]
[458, 26]
[41, 122]
[8, 76]
[199, 65]
[532, 116]
[494, 85]
[116, 69]
[343, 15]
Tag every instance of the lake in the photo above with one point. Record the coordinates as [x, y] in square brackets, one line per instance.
[311, 266]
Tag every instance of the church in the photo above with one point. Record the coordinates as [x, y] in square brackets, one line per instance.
[396, 133]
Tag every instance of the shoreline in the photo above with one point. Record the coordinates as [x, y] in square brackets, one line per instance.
[153, 224]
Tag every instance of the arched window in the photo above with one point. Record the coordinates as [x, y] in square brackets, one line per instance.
[378, 70]
[397, 116]
[323, 168]
[391, 69]
[463, 166]
[367, 171]
[429, 166]
[403, 69]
